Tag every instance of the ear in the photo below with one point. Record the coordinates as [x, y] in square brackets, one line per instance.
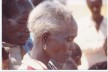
[45, 36]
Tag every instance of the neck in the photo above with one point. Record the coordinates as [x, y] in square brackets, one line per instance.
[40, 54]
[97, 18]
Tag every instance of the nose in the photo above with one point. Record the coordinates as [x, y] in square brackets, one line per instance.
[94, 9]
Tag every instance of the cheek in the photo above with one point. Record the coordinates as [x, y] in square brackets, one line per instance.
[12, 37]
[15, 36]
[53, 48]
[56, 48]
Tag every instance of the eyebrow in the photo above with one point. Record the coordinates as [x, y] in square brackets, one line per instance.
[71, 37]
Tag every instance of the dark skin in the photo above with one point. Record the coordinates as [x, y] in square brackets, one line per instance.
[95, 8]
[36, 2]
[99, 66]
[105, 46]
[15, 15]
[76, 54]
[69, 65]
[5, 59]
[17, 34]
[56, 46]
[73, 61]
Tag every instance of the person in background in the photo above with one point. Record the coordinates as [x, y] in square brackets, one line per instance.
[29, 43]
[76, 54]
[14, 29]
[54, 30]
[101, 65]
[73, 62]
[36, 2]
[5, 59]
[92, 33]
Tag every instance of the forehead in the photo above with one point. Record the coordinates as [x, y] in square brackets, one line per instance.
[17, 7]
[67, 30]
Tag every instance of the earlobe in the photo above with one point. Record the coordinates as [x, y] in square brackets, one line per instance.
[45, 37]
[44, 47]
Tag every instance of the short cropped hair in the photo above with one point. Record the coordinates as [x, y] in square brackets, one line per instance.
[47, 16]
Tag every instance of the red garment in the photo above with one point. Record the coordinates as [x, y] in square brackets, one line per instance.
[31, 64]
[30, 68]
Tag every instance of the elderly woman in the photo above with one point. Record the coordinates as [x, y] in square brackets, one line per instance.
[54, 30]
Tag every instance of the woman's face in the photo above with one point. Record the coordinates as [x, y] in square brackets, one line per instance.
[95, 6]
[60, 43]
[16, 31]
[18, 34]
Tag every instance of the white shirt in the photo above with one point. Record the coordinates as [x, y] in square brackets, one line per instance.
[91, 41]
[14, 55]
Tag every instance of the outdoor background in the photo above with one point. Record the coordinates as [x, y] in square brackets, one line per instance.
[79, 8]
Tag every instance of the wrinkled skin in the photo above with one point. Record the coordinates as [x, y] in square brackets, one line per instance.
[14, 20]
[59, 44]
[73, 61]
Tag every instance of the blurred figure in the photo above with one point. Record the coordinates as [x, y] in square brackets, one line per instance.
[29, 43]
[54, 30]
[14, 29]
[5, 59]
[92, 34]
[105, 47]
[36, 2]
[73, 62]
[69, 65]
[76, 54]
[99, 66]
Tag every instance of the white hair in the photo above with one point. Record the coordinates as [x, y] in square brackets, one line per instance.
[46, 16]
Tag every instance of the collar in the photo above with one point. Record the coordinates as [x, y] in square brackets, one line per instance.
[36, 64]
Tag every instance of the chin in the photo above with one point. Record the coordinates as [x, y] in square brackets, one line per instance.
[22, 43]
